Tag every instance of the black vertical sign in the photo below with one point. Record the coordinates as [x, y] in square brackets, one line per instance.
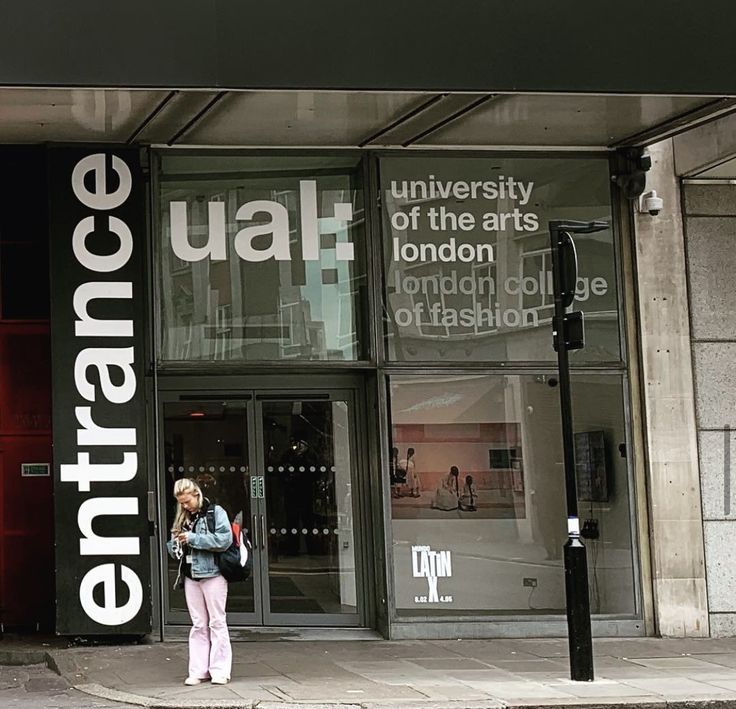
[97, 217]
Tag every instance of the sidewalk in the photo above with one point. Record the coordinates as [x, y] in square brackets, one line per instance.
[372, 674]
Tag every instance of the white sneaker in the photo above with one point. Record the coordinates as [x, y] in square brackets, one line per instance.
[219, 680]
[191, 681]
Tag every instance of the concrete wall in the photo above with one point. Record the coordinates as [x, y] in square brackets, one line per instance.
[710, 231]
[675, 516]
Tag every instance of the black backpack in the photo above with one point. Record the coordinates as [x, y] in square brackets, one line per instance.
[236, 562]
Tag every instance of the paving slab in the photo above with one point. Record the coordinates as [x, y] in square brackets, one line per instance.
[451, 693]
[679, 664]
[533, 667]
[678, 688]
[598, 689]
[495, 649]
[719, 658]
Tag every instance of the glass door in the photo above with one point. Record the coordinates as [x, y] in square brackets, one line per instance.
[283, 465]
[211, 439]
[309, 545]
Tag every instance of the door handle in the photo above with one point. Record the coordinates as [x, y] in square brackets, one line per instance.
[255, 531]
[263, 532]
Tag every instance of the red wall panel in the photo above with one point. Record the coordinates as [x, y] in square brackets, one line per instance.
[26, 503]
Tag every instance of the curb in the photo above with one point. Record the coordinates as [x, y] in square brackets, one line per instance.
[97, 690]
[101, 692]
[19, 657]
[115, 695]
[65, 667]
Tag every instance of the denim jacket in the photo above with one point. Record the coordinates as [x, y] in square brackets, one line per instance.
[203, 544]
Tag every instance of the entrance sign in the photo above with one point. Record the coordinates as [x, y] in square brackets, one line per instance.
[100, 479]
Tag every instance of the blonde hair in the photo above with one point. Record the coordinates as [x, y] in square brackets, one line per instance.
[182, 487]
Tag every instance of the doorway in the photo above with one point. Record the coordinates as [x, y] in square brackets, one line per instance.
[285, 466]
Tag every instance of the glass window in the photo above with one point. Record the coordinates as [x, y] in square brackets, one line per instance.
[261, 258]
[478, 494]
[466, 251]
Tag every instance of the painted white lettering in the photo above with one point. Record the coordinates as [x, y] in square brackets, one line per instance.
[424, 564]
[87, 326]
[93, 435]
[109, 613]
[599, 286]
[310, 224]
[403, 317]
[83, 472]
[102, 263]
[415, 562]
[399, 221]
[444, 563]
[431, 562]
[92, 544]
[278, 227]
[103, 359]
[103, 244]
[525, 188]
[215, 248]
[100, 198]
[434, 596]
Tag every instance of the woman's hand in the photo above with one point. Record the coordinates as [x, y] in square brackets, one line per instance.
[182, 537]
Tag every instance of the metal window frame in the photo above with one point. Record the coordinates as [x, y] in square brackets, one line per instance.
[375, 370]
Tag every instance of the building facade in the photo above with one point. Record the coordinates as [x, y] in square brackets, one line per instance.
[329, 300]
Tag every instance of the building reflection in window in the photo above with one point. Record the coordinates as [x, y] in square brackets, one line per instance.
[261, 258]
[468, 275]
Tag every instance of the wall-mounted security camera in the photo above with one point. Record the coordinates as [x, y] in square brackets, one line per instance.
[650, 204]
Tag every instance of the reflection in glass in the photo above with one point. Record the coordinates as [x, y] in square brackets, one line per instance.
[467, 263]
[311, 551]
[208, 442]
[489, 511]
[261, 259]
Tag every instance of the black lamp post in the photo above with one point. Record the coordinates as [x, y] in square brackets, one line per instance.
[568, 334]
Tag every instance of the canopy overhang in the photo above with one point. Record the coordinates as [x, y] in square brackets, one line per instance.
[349, 119]
[350, 73]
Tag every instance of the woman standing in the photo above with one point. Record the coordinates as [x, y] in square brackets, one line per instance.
[205, 589]
[409, 466]
[447, 495]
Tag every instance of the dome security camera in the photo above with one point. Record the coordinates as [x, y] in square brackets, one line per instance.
[650, 204]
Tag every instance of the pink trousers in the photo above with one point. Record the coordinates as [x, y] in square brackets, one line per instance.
[210, 654]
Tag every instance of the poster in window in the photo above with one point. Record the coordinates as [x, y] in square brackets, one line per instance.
[457, 470]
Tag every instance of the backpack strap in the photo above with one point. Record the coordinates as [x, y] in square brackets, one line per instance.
[210, 517]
